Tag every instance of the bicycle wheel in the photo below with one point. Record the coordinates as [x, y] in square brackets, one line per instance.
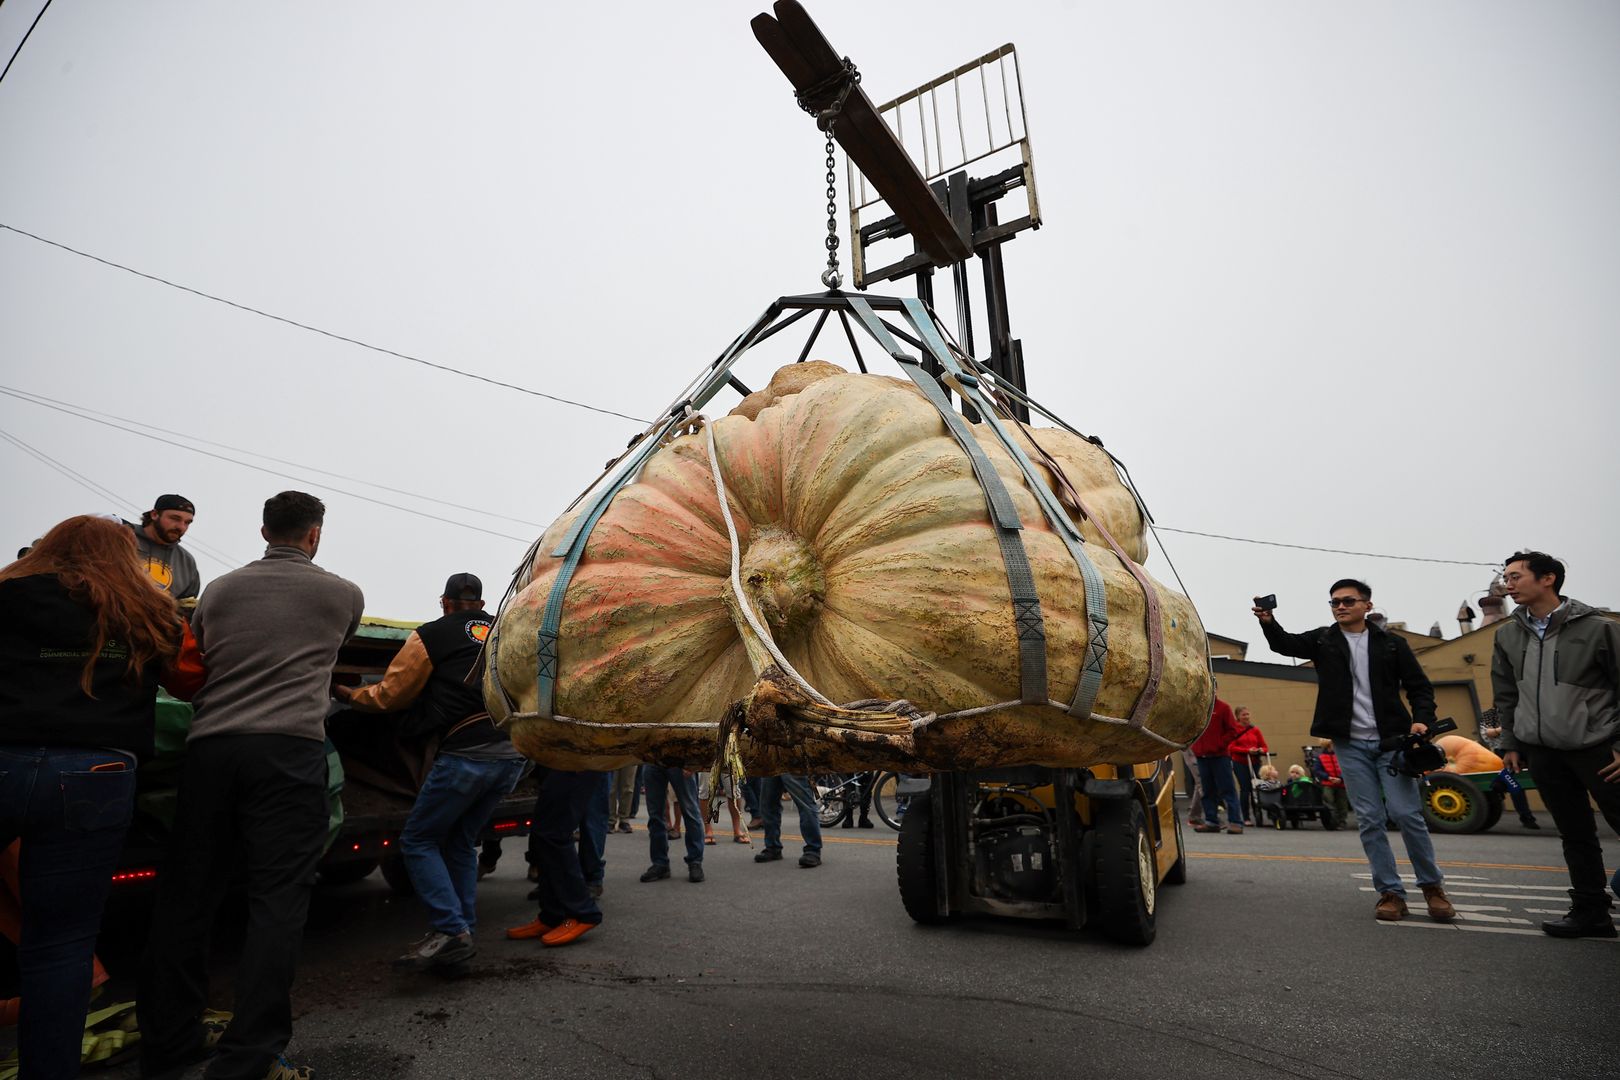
[832, 795]
[890, 807]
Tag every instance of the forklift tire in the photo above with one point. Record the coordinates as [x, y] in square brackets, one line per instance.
[914, 864]
[346, 873]
[1177, 874]
[394, 872]
[1125, 871]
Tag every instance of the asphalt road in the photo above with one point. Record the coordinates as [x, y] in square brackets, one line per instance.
[1268, 963]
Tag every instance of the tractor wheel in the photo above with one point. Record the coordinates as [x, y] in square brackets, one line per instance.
[1452, 804]
[394, 872]
[1493, 809]
[915, 865]
[1125, 873]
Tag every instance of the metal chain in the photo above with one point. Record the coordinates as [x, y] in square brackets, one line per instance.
[830, 277]
[844, 80]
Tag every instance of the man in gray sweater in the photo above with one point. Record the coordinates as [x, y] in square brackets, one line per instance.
[1555, 674]
[252, 790]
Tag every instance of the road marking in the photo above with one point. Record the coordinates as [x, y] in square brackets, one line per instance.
[1479, 882]
[1244, 857]
[1476, 895]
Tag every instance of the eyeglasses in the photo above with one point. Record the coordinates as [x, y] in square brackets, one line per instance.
[1344, 601]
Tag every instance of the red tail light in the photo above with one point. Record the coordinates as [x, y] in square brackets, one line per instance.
[124, 877]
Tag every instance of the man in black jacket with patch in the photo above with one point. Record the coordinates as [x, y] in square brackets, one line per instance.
[1361, 670]
[477, 766]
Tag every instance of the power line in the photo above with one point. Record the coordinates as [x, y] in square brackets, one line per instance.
[275, 472]
[107, 493]
[1331, 551]
[24, 41]
[317, 330]
[40, 399]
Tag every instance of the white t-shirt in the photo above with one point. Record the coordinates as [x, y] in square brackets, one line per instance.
[1363, 725]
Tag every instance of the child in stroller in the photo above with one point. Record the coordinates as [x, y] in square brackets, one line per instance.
[1268, 797]
[1303, 800]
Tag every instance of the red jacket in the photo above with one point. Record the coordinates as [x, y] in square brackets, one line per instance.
[1248, 739]
[1219, 734]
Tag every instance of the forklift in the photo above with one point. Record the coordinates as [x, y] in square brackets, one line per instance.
[1081, 846]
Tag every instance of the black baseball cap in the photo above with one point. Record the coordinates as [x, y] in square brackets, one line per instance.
[173, 502]
[463, 587]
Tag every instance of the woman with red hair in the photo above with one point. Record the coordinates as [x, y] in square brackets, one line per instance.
[84, 642]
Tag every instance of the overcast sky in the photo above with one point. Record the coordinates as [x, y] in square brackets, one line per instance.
[1333, 274]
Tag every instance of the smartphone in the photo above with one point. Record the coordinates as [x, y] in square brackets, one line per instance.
[1266, 603]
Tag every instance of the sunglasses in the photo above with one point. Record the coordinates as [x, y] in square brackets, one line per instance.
[1344, 601]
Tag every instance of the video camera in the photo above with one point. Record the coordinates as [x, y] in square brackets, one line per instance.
[1416, 754]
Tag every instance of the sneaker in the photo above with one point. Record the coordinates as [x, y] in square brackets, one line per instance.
[437, 950]
[694, 872]
[809, 860]
[1234, 829]
[770, 854]
[1530, 823]
[569, 932]
[1440, 909]
[1206, 828]
[535, 929]
[1391, 907]
[866, 823]
[756, 823]
[625, 826]
[655, 872]
[286, 1070]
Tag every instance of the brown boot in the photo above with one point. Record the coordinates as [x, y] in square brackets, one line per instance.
[1391, 907]
[1234, 828]
[1440, 909]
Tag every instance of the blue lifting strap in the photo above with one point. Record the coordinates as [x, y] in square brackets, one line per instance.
[1096, 652]
[1027, 619]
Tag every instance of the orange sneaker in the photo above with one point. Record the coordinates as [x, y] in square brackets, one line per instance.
[535, 929]
[569, 932]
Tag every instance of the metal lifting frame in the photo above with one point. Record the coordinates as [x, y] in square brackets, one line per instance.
[961, 373]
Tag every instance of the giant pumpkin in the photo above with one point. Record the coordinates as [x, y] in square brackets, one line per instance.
[867, 551]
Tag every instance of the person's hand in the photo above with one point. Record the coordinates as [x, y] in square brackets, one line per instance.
[1610, 773]
[1419, 729]
[1490, 732]
[343, 693]
[1511, 761]
[1263, 614]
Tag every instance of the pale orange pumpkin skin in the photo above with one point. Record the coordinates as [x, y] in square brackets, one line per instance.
[868, 550]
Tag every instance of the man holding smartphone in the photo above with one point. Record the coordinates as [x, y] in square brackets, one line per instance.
[1361, 670]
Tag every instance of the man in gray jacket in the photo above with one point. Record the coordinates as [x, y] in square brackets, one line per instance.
[1556, 683]
[252, 792]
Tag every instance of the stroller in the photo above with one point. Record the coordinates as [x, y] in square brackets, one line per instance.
[1268, 803]
[1302, 800]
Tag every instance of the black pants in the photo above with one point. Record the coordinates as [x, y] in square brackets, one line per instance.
[865, 782]
[564, 800]
[258, 803]
[1565, 779]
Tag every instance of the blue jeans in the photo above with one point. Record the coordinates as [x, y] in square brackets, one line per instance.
[593, 832]
[72, 823]
[1215, 777]
[770, 793]
[750, 795]
[440, 841]
[658, 781]
[563, 804]
[1376, 796]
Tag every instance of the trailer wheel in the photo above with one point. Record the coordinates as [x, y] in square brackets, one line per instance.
[1177, 874]
[1125, 871]
[346, 873]
[1453, 805]
[914, 864]
[394, 872]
